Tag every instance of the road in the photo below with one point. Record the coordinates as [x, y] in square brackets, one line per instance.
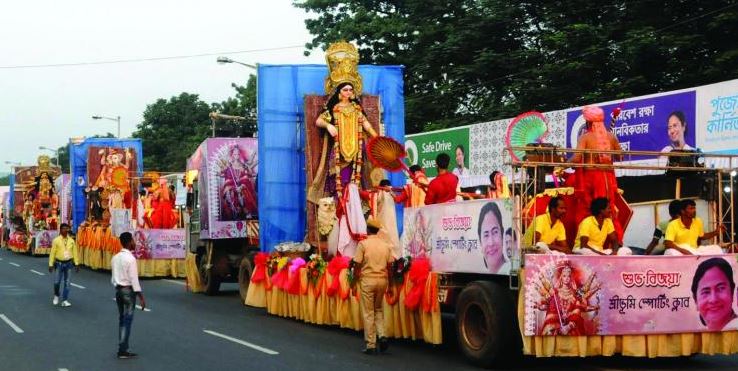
[183, 331]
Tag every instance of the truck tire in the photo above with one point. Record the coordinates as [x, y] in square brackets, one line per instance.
[245, 268]
[210, 280]
[485, 324]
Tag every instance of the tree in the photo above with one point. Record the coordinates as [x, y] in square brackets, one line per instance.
[243, 104]
[171, 131]
[474, 60]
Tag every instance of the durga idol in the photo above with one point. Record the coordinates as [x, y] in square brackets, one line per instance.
[346, 124]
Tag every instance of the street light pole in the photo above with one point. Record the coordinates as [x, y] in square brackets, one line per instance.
[116, 119]
[224, 60]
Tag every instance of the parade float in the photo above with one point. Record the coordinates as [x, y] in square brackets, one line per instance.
[110, 195]
[222, 218]
[35, 207]
[560, 305]
[298, 273]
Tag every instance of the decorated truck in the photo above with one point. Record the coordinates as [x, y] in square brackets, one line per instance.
[34, 202]
[222, 227]
[508, 298]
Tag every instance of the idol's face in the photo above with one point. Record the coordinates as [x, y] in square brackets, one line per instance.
[347, 92]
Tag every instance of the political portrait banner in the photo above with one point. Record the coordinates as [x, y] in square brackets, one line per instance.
[471, 236]
[423, 148]
[643, 123]
[717, 114]
[159, 243]
[594, 295]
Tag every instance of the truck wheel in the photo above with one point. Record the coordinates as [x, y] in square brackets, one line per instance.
[244, 276]
[485, 323]
[210, 280]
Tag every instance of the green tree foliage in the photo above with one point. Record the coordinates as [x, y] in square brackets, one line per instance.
[472, 60]
[172, 129]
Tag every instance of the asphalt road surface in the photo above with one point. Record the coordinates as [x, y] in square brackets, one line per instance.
[183, 331]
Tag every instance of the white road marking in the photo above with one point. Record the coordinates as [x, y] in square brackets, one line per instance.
[77, 286]
[139, 307]
[14, 264]
[11, 324]
[63, 369]
[37, 272]
[244, 343]
[183, 283]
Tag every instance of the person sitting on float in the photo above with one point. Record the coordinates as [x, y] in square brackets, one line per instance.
[596, 234]
[684, 234]
[444, 187]
[547, 230]
[654, 248]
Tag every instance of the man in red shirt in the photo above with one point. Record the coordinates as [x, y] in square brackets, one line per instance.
[443, 187]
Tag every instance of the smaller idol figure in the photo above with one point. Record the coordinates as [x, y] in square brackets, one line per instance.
[566, 303]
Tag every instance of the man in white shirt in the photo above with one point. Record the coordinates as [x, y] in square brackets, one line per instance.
[127, 287]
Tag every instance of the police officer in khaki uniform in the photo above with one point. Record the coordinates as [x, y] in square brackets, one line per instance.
[373, 255]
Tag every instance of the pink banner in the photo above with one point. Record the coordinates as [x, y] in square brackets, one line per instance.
[159, 243]
[593, 295]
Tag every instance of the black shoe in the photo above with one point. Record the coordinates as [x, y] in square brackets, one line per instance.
[383, 344]
[369, 351]
[125, 355]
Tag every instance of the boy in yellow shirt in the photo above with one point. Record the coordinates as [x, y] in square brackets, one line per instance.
[684, 233]
[596, 234]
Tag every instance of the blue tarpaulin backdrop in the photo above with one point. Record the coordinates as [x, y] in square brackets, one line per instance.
[282, 177]
[78, 168]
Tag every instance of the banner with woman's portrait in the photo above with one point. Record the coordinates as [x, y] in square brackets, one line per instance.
[472, 237]
[595, 295]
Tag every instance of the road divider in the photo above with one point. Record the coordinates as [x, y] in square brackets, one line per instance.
[183, 283]
[14, 264]
[11, 324]
[242, 342]
[77, 286]
[37, 272]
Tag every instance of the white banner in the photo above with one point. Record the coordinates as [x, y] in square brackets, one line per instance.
[470, 236]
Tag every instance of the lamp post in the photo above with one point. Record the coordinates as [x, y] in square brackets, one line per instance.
[117, 119]
[56, 153]
[224, 60]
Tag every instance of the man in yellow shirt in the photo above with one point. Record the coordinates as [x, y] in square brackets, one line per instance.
[596, 234]
[62, 257]
[549, 234]
[684, 234]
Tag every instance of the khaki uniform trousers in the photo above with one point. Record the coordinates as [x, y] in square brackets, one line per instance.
[372, 297]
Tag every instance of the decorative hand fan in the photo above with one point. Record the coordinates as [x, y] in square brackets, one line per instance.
[386, 153]
[529, 127]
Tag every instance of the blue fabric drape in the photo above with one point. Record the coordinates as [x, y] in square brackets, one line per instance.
[78, 168]
[280, 101]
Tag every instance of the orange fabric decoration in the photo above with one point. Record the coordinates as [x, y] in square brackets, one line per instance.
[418, 275]
[334, 268]
[260, 268]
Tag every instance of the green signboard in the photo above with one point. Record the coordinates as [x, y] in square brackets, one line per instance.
[423, 148]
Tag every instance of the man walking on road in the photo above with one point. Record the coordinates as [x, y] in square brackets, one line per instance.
[62, 257]
[373, 255]
[127, 287]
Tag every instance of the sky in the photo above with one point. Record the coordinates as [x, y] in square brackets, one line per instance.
[47, 106]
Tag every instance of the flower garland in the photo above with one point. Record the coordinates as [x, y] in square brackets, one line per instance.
[315, 268]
